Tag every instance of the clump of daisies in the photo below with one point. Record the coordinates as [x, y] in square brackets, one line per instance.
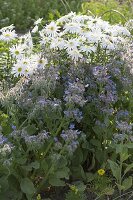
[74, 38]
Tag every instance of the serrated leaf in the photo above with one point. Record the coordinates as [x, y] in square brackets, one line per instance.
[127, 183]
[27, 186]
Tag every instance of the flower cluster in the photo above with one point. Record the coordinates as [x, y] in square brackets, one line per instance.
[78, 37]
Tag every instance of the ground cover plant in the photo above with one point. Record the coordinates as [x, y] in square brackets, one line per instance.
[66, 114]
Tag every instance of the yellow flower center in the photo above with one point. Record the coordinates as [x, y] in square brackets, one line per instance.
[51, 28]
[40, 61]
[19, 69]
[17, 52]
[7, 35]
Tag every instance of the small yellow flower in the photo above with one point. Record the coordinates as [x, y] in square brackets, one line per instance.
[101, 172]
[39, 197]
[74, 188]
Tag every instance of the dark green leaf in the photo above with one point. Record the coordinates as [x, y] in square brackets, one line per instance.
[27, 186]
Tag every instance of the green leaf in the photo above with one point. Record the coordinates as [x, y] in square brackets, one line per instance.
[120, 187]
[114, 168]
[90, 177]
[31, 129]
[109, 191]
[44, 165]
[80, 185]
[35, 165]
[27, 186]
[78, 172]
[127, 183]
[54, 181]
[124, 154]
[78, 157]
[129, 145]
[96, 143]
[130, 166]
[63, 173]
[62, 162]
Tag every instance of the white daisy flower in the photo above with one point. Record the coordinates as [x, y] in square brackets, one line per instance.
[72, 44]
[88, 49]
[75, 55]
[11, 27]
[51, 29]
[19, 69]
[8, 35]
[17, 50]
[42, 62]
[66, 18]
[72, 28]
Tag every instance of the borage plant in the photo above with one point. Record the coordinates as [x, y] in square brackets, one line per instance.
[65, 87]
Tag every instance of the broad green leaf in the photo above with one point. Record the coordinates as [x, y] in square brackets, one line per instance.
[127, 183]
[27, 186]
[114, 168]
[129, 145]
[62, 162]
[130, 166]
[44, 165]
[96, 143]
[35, 165]
[78, 157]
[120, 187]
[118, 147]
[63, 173]
[78, 172]
[124, 157]
[54, 181]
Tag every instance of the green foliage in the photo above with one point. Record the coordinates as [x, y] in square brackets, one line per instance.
[77, 192]
[119, 168]
[110, 10]
[101, 185]
[72, 196]
[23, 13]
